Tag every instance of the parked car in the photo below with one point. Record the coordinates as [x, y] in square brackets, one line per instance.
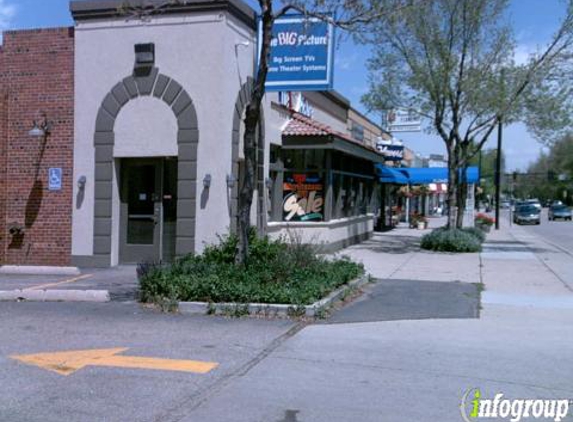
[562, 212]
[527, 214]
[534, 202]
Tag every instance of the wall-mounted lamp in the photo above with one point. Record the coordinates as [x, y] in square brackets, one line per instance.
[268, 183]
[41, 129]
[207, 181]
[242, 44]
[231, 181]
[144, 59]
[82, 182]
[15, 229]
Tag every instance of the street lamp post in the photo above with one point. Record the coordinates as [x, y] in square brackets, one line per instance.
[498, 173]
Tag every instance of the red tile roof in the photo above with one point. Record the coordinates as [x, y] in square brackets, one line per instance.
[300, 125]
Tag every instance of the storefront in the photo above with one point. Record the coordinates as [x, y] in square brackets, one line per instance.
[144, 118]
[323, 185]
[422, 190]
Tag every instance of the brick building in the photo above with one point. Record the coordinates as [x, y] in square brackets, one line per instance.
[36, 80]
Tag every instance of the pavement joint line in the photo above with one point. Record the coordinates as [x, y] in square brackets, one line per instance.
[402, 265]
[188, 404]
[59, 283]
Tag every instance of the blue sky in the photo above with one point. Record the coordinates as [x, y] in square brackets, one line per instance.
[534, 22]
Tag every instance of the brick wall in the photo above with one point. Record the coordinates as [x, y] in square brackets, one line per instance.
[3, 140]
[37, 74]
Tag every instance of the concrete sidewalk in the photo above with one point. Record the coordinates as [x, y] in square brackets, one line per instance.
[90, 285]
[396, 254]
[516, 267]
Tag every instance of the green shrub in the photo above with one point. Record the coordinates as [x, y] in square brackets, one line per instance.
[276, 272]
[451, 240]
[474, 231]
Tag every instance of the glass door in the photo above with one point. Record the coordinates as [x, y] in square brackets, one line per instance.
[141, 210]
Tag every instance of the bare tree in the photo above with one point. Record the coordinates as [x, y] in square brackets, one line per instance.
[452, 60]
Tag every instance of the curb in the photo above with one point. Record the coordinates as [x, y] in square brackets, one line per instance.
[38, 270]
[270, 309]
[55, 295]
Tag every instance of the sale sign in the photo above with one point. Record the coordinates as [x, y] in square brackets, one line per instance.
[303, 198]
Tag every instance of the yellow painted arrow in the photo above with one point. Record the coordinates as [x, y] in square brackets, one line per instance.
[66, 363]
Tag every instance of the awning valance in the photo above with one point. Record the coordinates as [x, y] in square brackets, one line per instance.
[421, 176]
[391, 175]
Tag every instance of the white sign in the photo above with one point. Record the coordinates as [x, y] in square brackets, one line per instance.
[400, 120]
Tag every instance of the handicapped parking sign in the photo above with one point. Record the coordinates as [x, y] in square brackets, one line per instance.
[55, 179]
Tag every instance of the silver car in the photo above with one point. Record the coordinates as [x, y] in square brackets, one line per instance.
[562, 212]
[527, 214]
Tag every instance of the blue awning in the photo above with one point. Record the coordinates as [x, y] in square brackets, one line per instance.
[421, 176]
[391, 175]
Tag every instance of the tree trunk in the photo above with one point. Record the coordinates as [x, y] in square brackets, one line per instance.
[452, 185]
[462, 191]
[461, 200]
[252, 118]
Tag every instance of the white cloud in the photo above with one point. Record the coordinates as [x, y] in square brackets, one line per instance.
[7, 13]
[523, 52]
[346, 62]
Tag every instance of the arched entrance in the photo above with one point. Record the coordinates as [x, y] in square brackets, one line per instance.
[171, 92]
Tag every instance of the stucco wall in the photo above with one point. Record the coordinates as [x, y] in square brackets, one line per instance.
[198, 51]
[333, 235]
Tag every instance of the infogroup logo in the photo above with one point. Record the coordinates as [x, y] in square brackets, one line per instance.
[475, 407]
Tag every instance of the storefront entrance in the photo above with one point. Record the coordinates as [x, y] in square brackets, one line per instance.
[148, 209]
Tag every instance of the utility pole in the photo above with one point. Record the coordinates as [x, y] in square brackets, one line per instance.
[498, 173]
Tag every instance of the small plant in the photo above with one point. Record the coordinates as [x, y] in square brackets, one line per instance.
[416, 218]
[474, 231]
[484, 220]
[451, 240]
[277, 271]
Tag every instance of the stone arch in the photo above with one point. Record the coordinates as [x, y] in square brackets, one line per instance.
[240, 106]
[172, 93]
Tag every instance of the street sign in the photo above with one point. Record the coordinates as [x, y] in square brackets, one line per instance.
[66, 363]
[301, 56]
[55, 179]
[391, 149]
[401, 120]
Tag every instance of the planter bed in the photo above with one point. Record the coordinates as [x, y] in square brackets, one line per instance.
[271, 309]
[280, 278]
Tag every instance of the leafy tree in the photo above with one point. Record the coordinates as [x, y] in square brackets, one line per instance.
[452, 60]
[486, 161]
[550, 175]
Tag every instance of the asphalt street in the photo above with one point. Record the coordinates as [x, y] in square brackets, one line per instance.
[100, 393]
[557, 232]
[407, 351]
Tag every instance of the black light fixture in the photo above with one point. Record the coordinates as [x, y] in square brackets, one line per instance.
[231, 181]
[144, 58]
[82, 182]
[207, 181]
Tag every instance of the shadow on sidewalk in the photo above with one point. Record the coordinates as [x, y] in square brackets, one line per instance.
[391, 244]
[392, 300]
